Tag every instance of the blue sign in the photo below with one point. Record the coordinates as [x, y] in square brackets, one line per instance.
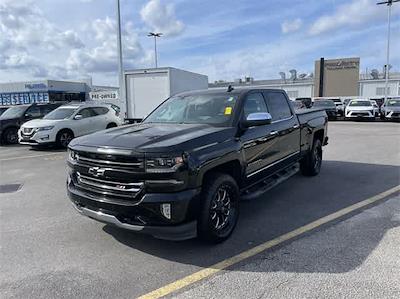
[35, 86]
[9, 99]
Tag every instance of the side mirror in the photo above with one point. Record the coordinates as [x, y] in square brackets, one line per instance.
[78, 117]
[28, 115]
[257, 119]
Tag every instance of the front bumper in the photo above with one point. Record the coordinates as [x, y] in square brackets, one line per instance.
[359, 114]
[144, 217]
[36, 138]
[392, 115]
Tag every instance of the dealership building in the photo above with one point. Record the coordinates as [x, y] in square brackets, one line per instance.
[43, 91]
[331, 78]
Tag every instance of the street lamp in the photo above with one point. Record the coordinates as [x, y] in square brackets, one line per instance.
[389, 4]
[155, 35]
[122, 97]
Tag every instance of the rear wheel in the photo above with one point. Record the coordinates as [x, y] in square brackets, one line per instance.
[10, 136]
[311, 163]
[220, 208]
[63, 138]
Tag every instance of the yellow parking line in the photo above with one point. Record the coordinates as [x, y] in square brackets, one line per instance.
[197, 276]
[26, 157]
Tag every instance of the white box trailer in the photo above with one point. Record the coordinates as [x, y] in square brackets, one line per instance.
[147, 88]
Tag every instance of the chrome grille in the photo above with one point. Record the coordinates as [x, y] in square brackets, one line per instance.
[108, 187]
[130, 164]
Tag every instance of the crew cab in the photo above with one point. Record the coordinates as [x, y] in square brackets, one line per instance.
[66, 122]
[15, 116]
[181, 172]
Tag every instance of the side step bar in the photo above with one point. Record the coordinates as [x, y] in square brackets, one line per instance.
[269, 183]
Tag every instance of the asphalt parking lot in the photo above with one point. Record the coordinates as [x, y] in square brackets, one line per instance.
[48, 250]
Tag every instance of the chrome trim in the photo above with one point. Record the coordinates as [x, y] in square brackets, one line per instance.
[270, 165]
[106, 218]
[80, 158]
[277, 121]
[103, 184]
[110, 169]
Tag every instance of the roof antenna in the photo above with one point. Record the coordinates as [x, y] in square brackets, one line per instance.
[230, 88]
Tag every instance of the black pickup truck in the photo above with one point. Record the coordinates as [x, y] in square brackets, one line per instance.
[181, 172]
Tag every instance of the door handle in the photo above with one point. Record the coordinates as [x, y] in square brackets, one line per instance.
[273, 133]
[296, 126]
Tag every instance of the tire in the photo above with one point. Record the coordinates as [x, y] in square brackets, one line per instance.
[63, 138]
[111, 125]
[311, 163]
[10, 136]
[219, 208]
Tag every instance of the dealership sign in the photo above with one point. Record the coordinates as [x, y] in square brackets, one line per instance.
[35, 86]
[103, 95]
[8, 99]
[342, 64]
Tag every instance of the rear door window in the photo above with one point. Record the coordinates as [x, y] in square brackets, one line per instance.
[278, 105]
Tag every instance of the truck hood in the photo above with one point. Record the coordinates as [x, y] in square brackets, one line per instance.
[157, 138]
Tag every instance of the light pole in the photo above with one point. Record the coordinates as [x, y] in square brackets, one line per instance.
[389, 4]
[155, 35]
[122, 97]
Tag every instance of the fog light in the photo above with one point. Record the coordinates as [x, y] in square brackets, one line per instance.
[166, 210]
[45, 137]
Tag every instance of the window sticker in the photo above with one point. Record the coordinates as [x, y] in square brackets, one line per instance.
[228, 111]
[230, 99]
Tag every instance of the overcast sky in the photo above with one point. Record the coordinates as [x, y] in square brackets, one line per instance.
[73, 39]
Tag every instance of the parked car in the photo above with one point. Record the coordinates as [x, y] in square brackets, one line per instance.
[329, 107]
[307, 102]
[360, 108]
[181, 172]
[67, 122]
[339, 106]
[391, 109]
[3, 109]
[15, 116]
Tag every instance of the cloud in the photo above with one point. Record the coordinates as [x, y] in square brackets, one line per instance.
[291, 26]
[24, 30]
[103, 56]
[161, 18]
[354, 13]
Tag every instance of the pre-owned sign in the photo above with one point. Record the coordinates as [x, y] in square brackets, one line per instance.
[103, 95]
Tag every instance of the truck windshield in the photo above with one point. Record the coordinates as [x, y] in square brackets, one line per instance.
[13, 112]
[360, 103]
[216, 109]
[60, 113]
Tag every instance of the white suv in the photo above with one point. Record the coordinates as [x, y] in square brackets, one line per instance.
[360, 109]
[66, 122]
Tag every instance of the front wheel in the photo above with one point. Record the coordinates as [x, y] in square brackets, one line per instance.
[311, 163]
[219, 209]
[10, 136]
[64, 138]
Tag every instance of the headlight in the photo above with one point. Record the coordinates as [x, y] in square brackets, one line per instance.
[72, 156]
[44, 128]
[155, 165]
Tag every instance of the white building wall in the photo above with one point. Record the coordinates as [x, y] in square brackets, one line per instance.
[376, 88]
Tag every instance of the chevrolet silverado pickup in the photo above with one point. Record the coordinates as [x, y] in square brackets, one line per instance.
[181, 172]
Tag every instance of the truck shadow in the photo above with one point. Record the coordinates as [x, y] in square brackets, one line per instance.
[294, 203]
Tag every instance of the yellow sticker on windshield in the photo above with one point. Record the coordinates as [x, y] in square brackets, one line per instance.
[228, 110]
